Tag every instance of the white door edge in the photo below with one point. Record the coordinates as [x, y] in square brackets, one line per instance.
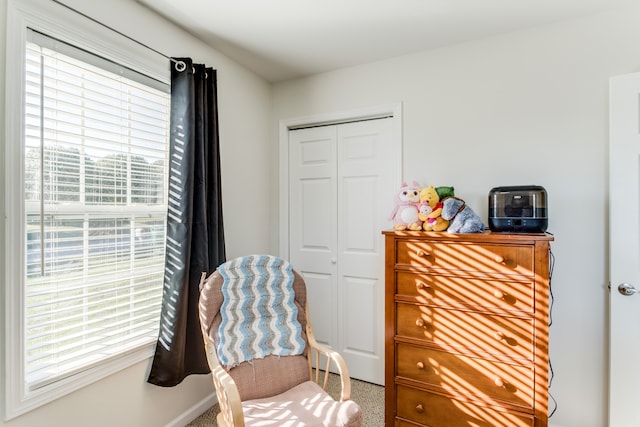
[624, 249]
[393, 110]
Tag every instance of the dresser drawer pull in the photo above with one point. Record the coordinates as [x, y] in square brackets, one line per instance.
[499, 382]
[420, 408]
[499, 259]
[420, 323]
[420, 365]
[501, 336]
[421, 285]
[422, 253]
[498, 294]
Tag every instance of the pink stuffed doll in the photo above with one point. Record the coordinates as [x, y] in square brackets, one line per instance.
[405, 212]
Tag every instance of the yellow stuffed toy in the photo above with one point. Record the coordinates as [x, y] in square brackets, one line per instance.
[433, 221]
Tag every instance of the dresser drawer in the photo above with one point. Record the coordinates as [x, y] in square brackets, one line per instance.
[434, 410]
[467, 375]
[466, 292]
[499, 335]
[505, 259]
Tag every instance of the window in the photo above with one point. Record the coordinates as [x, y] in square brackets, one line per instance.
[93, 206]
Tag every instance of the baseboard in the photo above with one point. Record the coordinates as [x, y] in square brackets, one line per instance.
[194, 412]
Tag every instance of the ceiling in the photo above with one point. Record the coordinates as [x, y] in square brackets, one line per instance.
[286, 39]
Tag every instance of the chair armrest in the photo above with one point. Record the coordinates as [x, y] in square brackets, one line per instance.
[226, 390]
[316, 350]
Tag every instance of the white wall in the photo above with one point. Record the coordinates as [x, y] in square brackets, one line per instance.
[125, 399]
[523, 108]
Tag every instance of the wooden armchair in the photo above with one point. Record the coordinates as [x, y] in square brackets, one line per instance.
[241, 312]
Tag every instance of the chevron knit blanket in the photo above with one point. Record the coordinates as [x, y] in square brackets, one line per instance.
[259, 317]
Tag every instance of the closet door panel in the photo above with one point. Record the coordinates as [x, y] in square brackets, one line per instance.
[365, 196]
[341, 187]
[313, 224]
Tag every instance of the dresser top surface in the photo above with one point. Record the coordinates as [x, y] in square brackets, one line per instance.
[486, 236]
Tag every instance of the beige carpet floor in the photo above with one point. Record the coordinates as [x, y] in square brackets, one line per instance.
[369, 396]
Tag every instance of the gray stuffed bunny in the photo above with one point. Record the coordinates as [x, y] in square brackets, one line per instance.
[462, 219]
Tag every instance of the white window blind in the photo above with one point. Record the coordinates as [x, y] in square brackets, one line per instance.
[95, 168]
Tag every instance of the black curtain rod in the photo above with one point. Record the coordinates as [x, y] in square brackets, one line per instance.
[178, 64]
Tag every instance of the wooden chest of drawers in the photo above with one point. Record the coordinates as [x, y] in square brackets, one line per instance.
[466, 329]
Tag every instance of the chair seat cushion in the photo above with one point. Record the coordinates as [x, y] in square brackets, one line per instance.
[306, 404]
[269, 376]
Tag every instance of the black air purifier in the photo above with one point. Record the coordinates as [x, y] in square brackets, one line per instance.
[518, 209]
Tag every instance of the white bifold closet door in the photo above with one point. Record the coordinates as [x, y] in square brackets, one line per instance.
[340, 194]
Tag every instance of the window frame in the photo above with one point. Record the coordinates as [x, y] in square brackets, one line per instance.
[64, 24]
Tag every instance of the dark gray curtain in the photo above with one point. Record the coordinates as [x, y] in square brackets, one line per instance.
[195, 237]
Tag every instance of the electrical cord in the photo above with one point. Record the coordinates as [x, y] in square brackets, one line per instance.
[552, 262]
